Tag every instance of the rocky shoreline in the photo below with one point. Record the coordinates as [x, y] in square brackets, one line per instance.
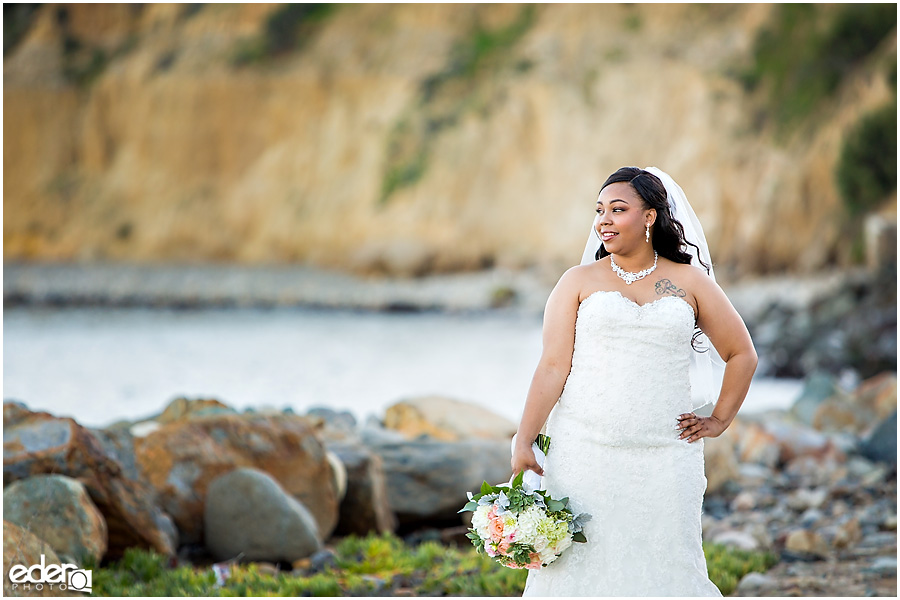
[815, 485]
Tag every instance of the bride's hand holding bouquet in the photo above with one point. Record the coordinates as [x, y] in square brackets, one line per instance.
[519, 525]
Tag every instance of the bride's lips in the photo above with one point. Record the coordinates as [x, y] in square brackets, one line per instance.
[607, 235]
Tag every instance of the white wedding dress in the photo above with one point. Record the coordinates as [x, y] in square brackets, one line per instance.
[615, 453]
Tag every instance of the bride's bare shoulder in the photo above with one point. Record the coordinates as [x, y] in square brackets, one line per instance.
[579, 275]
[577, 279]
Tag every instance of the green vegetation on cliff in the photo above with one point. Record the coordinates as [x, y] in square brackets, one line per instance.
[801, 56]
[867, 169]
[287, 29]
[463, 85]
[373, 565]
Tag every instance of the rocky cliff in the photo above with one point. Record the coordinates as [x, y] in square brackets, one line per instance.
[404, 138]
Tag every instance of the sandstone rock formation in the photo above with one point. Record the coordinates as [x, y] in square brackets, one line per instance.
[391, 141]
[181, 458]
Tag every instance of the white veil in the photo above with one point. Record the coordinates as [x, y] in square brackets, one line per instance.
[707, 367]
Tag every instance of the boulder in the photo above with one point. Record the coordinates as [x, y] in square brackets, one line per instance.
[365, 508]
[807, 544]
[825, 469]
[874, 400]
[181, 458]
[817, 388]
[799, 440]
[179, 409]
[182, 408]
[720, 462]
[756, 445]
[332, 420]
[447, 419]
[427, 479]
[58, 510]
[20, 547]
[881, 444]
[39, 443]
[247, 513]
[878, 394]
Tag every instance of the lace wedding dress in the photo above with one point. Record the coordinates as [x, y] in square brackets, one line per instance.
[615, 453]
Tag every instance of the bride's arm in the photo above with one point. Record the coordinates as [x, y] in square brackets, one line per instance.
[552, 369]
[722, 324]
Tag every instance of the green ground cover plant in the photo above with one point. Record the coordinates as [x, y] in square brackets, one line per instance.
[375, 565]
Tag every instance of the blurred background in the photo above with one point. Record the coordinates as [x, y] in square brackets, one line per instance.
[419, 157]
[346, 206]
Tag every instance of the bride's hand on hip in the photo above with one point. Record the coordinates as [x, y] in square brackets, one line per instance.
[523, 459]
[693, 427]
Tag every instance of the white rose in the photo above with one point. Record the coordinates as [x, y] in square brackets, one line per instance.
[480, 520]
[547, 555]
[528, 525]
[563, 544]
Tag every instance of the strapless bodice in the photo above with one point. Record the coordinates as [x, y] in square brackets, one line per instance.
[630, 375]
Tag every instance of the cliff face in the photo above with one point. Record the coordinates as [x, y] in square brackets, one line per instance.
[402, 138]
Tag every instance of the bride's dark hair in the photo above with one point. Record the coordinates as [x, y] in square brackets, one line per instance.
[668, 234]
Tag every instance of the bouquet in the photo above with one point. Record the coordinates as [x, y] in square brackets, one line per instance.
[520, 526]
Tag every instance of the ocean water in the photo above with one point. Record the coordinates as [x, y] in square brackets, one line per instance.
[100, 365]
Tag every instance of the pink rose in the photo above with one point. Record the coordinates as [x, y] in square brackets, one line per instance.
[496, 529]
[503, 547]
[535, 561]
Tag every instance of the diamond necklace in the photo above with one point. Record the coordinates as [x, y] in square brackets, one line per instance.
[629, 277]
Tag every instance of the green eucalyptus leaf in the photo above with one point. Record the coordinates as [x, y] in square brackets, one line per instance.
[517, 480]
[579, 537]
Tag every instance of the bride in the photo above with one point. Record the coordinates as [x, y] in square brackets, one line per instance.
[620, 334]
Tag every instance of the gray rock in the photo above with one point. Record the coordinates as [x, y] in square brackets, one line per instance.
[811, 516]
[883, 566]
[880, 539]
[58, 510]
[859, 467]
[881, 444]
[755, 582]
[119, 445]
[737, 539]
[753, 474]
[371, 435]
[818, 387]
[804, 499]
[743, 501]
[247, 512]
[365, 507]
[428, 479]
[339, 420]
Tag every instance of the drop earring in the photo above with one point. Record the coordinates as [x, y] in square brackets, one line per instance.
[647, 236]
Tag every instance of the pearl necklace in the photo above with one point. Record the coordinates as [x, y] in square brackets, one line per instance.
[629, 277]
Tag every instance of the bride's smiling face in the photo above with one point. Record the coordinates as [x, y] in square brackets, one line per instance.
[622, 218]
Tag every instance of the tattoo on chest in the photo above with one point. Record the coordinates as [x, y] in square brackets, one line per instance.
[665, 287]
